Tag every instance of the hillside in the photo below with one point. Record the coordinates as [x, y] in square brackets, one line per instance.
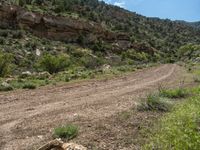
[196, 24]
[86, 34]
[192, 24]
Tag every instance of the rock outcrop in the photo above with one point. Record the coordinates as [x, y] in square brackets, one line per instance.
[55, 27]
[65, 29]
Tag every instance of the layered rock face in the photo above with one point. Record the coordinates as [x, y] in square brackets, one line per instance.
[65, 29]
[56, 28]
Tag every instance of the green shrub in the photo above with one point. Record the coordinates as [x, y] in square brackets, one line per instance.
[18, 34]
[29, 86]
[197, 79]
[91, 62]
[6, 88]
[4, 33]
[175, 93]
[5, 64]
[134, 55]
[188, 51]
[154, 103]
[2, 40]
[54, 64]
[68, 131]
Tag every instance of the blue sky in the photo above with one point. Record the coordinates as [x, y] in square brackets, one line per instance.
[188, 10]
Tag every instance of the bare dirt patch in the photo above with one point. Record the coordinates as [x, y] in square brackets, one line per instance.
[28, 117]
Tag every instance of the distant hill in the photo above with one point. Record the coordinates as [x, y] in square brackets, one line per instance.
[196, 24]
[192, 24]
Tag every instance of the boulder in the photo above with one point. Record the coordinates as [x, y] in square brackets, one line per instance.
[26, 74]
[106, 67]
[57, 144]
[43, 75]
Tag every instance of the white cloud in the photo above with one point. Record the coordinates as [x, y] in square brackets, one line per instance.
[108, 1]
[120, 4]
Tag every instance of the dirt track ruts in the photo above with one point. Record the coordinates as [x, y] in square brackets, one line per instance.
[28, 117]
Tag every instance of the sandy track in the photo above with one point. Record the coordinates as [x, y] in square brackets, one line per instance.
[28, 117]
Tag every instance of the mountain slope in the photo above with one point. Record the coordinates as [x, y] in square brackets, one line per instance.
[108, 34]
[192, 24]
[196, 24]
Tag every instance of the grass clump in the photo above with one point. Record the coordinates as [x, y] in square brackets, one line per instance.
[179, 129]
[67, 132]
[29, 86]
[154, 103]
[173, 93]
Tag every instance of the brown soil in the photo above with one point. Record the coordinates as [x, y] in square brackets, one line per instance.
[27, 118]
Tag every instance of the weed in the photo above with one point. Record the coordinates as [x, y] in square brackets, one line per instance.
[68, 131]
[29, 86]
[154, 103]
[173, 93]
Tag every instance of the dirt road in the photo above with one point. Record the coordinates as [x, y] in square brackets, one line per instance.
[28, 117]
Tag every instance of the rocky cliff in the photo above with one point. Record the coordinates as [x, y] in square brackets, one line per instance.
[57, 28]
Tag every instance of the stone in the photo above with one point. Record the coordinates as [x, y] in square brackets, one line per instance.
[26, 74]
[43, 75]
[38, 52]
[60, 145]
[106, 68]
[73, 146]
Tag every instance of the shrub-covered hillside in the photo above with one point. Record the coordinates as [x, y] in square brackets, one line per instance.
[192, 24]
[163, 35]
[55, 35]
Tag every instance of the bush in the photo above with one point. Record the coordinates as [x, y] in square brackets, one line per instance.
[6, 88]
[5, 64]
[154, 103]
[4, 33]
[188, 51]
[176, 93]
[68, 131]
[197, 79]
[134, 55]
[91, 62]
[54, 64]
[2, 40]
[18, 34]
[29, 86]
